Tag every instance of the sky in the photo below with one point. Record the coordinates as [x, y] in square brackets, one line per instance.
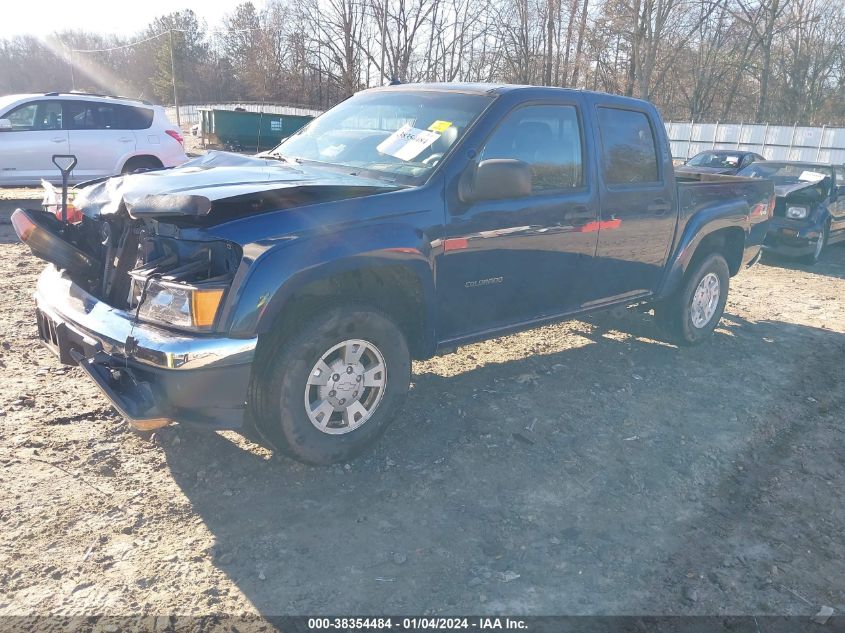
[120, 17]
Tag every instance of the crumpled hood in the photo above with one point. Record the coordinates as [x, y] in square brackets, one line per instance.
[781, 191]
[191, 189]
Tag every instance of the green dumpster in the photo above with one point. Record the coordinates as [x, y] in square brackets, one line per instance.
[241, 131]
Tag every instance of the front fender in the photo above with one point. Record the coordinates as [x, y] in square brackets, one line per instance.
[276, 274]
[732, 213]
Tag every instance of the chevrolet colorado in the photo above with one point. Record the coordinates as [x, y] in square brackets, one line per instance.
[293, 289]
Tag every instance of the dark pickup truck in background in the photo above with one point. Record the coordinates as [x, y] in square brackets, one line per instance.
[809, 208]
[294, 288]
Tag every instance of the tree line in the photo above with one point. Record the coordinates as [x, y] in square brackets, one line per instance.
[777, 61]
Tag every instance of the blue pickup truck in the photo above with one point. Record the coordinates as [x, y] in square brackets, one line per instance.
[291, 290]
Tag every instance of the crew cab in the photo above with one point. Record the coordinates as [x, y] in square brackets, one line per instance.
[292, 290]
[809, 208]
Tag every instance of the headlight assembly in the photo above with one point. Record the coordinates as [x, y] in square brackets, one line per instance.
[176, 305]
[797, 212]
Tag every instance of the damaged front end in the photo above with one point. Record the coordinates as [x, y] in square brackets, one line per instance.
[138, 306]
[139, 288]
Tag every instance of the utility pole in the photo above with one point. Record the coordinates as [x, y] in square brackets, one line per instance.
[173, 78]
[72, 75]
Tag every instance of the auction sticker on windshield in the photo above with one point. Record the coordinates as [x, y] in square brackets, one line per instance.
[811, 176]
[440, 126]
[407, 142]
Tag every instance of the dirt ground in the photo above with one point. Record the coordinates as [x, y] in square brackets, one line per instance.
[584, 468]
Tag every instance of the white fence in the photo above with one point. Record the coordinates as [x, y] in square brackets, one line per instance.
[775, 142]
[189, 114]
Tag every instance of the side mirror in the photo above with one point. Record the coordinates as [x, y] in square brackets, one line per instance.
[840, 191]
[497, 179]
[5, 125]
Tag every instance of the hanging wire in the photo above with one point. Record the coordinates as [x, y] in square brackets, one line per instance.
[157, 35]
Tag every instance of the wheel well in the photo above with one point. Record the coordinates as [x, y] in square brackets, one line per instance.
[141, 161]
[729, 242]
[393, 290]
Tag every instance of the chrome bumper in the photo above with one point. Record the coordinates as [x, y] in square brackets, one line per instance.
[102, 327]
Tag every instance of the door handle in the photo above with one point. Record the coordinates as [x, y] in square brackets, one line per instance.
[125, 140]
[58, 140]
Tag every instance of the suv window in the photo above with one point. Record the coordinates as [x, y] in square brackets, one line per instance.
[630, 152]
[546, 137]
[37, 115]
[92, 115]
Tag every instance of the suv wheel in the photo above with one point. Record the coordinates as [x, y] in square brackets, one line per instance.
[140, 163]
[332, 388]
[693, 312]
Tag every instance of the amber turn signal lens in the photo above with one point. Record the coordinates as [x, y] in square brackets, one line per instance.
[204, 304]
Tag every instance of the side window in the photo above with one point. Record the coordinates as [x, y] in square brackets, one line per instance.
[840, 176]
[80, 115]
[630, 152]
[749, 158]
[134, 117]
[39, 115]
[90, 115]
[548, 138]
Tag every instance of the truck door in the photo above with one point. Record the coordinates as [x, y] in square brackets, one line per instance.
[513, 259]
[638, 216]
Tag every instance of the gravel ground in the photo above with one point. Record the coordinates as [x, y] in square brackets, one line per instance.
[583, 468]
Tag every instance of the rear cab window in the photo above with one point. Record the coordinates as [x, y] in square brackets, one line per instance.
[630, 156]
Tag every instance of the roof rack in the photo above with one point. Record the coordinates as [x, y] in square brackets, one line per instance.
[94, 94]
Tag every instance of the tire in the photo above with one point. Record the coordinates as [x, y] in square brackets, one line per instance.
[140, 163]
[282, 391]
[687, 317]
[813, 258]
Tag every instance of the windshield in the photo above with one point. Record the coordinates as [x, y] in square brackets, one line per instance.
[725, 160]
[787, 174]
[393, 134]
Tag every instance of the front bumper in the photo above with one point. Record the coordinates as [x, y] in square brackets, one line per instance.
[792, 238]
[151, 375]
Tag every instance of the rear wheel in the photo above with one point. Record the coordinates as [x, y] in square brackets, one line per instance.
[332, 388]
[692, 313]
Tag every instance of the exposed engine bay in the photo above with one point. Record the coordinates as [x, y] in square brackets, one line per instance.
[132, 241]
[136, 264]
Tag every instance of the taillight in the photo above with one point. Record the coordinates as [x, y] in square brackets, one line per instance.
[176, 135]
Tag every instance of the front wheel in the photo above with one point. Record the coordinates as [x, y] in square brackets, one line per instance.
[821, 243]
[332, 388]
[694, 310]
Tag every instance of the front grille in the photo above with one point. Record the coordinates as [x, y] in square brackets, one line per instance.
[46, 329]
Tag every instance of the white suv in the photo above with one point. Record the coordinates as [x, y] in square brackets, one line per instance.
[108, 136]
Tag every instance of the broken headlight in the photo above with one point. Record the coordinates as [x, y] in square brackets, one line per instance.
[176, 305]
[795, 212]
